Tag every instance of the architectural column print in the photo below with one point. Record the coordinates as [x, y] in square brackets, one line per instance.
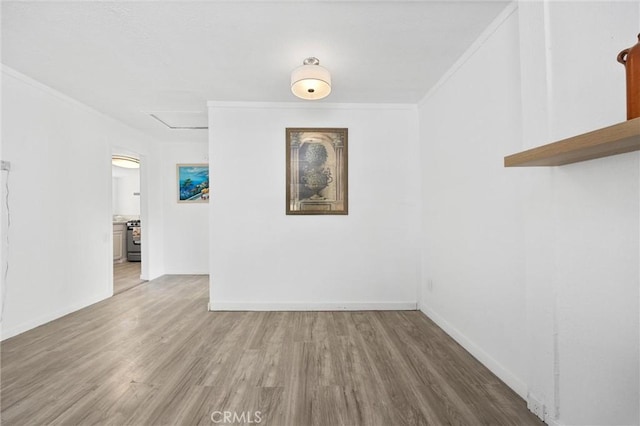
[295, 184]
[338, 146]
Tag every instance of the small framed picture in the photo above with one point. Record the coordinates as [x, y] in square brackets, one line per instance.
[193, 183]
[317, 171]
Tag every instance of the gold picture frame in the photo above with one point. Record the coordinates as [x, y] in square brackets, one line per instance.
[317, 171]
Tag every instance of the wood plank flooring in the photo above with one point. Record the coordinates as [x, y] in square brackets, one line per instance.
[154, 355]
[126, 275]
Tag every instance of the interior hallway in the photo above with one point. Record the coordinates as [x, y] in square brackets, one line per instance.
[126, 275]
[156, 356]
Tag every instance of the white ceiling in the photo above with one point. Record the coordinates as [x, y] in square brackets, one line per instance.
[128, 59]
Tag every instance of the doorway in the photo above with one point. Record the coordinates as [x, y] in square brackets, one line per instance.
[125, 204]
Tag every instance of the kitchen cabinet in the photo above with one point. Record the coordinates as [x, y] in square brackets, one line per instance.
[119, 242]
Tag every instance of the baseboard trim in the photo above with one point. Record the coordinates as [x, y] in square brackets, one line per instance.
[496, 368]
[552, 422]
[304, 306]
[37, 322]
[190, 272]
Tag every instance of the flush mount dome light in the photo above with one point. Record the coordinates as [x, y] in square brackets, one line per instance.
[125, 161]
[311, 81]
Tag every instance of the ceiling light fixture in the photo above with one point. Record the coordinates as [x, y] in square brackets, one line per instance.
[311, 81]
[125, 161]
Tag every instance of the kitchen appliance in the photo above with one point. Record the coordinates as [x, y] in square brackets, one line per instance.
[133, 241]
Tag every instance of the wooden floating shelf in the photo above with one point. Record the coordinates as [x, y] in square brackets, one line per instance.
[617, 139]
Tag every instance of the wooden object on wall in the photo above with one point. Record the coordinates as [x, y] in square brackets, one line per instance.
[630, 58]
[617, 139]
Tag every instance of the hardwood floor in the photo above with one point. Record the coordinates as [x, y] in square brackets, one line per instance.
[156, 356]
[126, 275]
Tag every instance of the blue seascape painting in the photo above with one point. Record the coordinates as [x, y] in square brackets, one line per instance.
[193, 182]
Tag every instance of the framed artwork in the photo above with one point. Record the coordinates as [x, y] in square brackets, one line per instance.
[317, 177]
[193, 183]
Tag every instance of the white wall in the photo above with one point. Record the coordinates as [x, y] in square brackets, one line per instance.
[4, 228]
[263, 259]
[60, 245]
[536, 270]
[473, 282]
[592, 228]
[186, 226]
